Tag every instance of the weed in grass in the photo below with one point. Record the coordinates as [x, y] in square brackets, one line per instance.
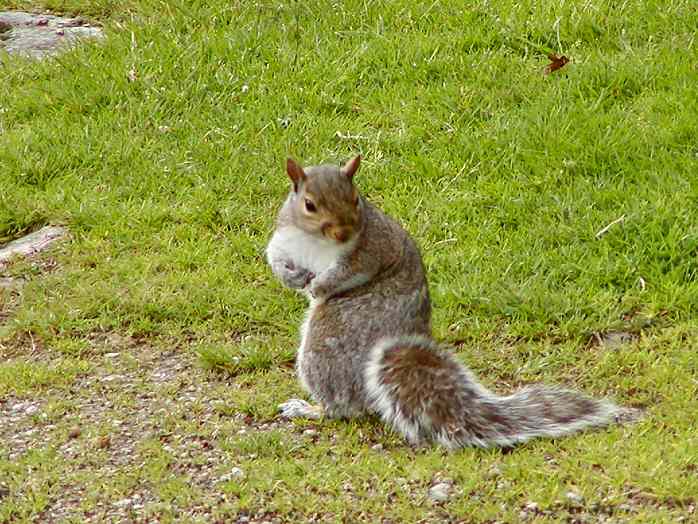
[244, 359]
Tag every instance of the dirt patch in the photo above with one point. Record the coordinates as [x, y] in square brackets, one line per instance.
[39, 35]
[137, 402]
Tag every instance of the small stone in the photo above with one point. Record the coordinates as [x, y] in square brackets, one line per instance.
[8, 282]
[575, 497]
[74, 432]
[616, 339]
[310, 432]
[532, 507]
[493, 473]
[377, 447]
[233, 474]
[440, 492]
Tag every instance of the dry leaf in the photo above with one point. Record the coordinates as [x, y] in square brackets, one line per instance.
[556, 62]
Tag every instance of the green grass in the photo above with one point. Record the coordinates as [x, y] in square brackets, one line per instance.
[162, 149]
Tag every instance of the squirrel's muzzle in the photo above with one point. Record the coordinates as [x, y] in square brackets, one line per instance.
[338, 233]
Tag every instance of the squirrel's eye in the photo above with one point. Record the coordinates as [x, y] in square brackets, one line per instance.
[309, 206]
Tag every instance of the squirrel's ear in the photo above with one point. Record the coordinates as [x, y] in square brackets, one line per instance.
[295, 173]
[351, 167]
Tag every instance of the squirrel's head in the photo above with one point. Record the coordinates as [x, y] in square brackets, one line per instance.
[324, 199]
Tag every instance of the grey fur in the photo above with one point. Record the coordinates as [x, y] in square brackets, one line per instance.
[367, 345]
[292, 276]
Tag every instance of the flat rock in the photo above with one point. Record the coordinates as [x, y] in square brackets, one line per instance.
[38, 35]
[31, 243]
[440, 492]
[10, 283]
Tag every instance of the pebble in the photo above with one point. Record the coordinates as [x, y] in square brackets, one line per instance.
[10, 283]
[233, 474]
[493, 473]
[575, 497]
[531, 506]
[440, 492]
[112, 378]
[237, 473]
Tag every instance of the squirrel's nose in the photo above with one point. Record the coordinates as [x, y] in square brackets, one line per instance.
[340, 234]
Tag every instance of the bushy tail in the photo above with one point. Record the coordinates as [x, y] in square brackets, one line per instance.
[427, 395]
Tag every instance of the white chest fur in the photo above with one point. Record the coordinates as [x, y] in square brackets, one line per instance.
[311, 253]
[304, 250]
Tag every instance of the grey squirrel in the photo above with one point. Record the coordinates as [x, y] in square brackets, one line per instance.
[366, 343]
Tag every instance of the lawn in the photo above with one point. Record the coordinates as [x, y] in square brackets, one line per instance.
[142, 360]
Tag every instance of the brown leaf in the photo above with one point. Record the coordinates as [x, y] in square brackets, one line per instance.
[556, 62]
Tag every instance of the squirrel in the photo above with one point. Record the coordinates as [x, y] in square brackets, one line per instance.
[366, 344]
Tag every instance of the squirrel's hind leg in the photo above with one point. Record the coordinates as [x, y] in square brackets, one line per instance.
[297, 408]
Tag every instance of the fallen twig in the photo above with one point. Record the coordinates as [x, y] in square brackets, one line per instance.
[605, 229]
[342, 136]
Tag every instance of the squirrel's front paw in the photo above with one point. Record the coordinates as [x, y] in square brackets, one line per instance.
[296, 277]
[297, 408]
[317, 290]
